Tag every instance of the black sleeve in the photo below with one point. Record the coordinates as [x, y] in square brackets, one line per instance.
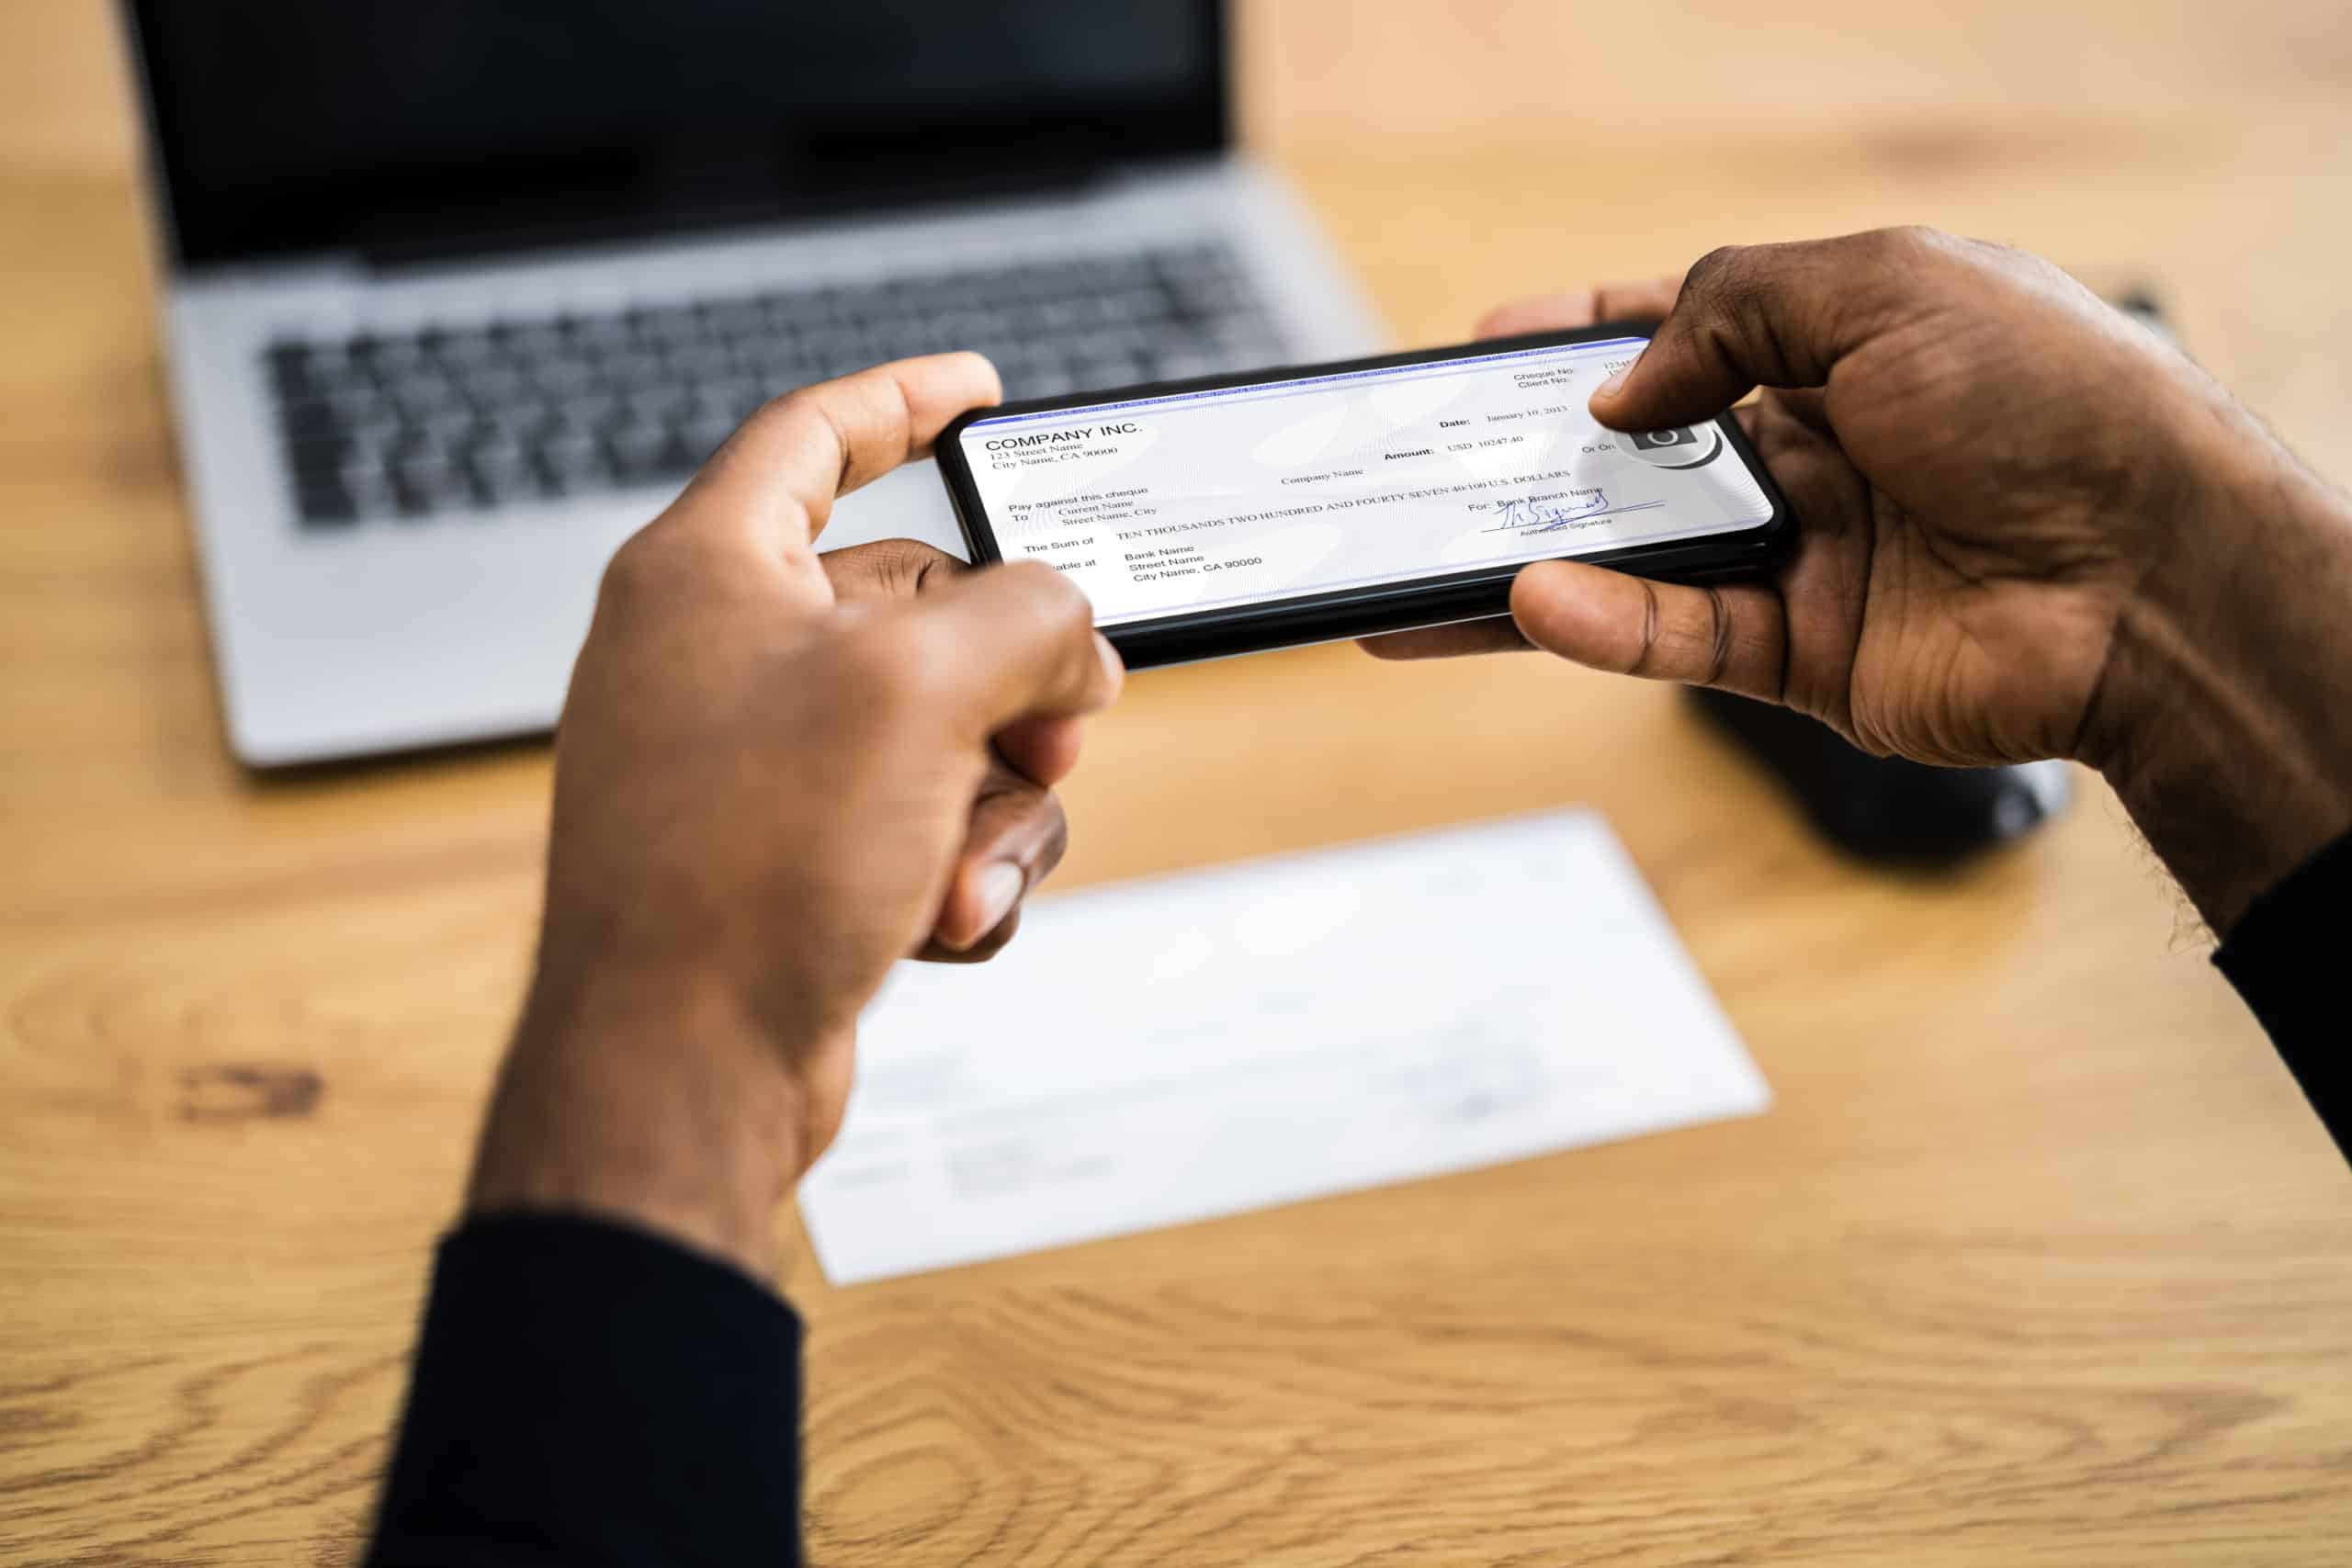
[585, 1396]
[2286, 956]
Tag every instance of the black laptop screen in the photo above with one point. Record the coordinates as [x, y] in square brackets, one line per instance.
[299, 125]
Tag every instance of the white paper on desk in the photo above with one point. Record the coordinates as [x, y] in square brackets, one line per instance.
[1156, 1052]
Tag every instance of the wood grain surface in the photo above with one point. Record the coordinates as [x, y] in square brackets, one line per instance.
[2039, 1257]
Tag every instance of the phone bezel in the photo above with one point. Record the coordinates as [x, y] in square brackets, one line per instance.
[1334, 614]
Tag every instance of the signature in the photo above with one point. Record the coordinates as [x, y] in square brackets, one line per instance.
[1539, 516]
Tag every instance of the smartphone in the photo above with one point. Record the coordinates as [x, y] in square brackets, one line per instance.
[1235, 513]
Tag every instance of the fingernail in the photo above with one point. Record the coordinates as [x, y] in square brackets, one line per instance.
[1112, 665]
[1001, 889]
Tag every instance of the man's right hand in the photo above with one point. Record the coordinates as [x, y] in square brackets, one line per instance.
[2027, 528]
[778, 774]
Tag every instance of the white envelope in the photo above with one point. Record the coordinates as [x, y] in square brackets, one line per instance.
[1156, 1052]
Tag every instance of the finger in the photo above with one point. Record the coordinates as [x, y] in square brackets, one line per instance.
[991, 942]
[1581, 307]
[1017, 837]
[1809, 406]
[1017, 643]
[1648, 301]
[774, 481]
[1496, 634]
[1542, 313]
[1733, 637]
[1762, 315]
[888, 568]
[1042, 749]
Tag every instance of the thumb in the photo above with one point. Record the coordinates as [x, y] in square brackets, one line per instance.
[1761, 315]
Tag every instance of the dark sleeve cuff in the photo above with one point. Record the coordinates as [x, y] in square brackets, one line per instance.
[2286, 956]
[588, 1395]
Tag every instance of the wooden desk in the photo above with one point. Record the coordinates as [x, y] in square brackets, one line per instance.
[2038, 1258]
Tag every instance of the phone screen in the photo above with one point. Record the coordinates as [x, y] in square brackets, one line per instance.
[1187, 502]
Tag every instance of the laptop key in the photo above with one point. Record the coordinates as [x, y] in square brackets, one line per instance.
[451, 428]
[704, 434]
[464, 350]
[637, 451]
[428, 482]
[417, 403]
[492, 386]
[570, 461]
[322, 501]
[371, 490]
[669, 324]
[327, 455]
[311, 418]
[499, 475]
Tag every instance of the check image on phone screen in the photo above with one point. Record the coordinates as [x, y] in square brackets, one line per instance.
[1199, 500]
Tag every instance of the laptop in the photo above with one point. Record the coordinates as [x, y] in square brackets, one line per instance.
[458, 294]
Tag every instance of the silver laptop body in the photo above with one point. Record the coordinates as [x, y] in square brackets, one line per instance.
[411, 448]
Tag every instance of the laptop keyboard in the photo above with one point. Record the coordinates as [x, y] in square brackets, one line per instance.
[471, 417]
